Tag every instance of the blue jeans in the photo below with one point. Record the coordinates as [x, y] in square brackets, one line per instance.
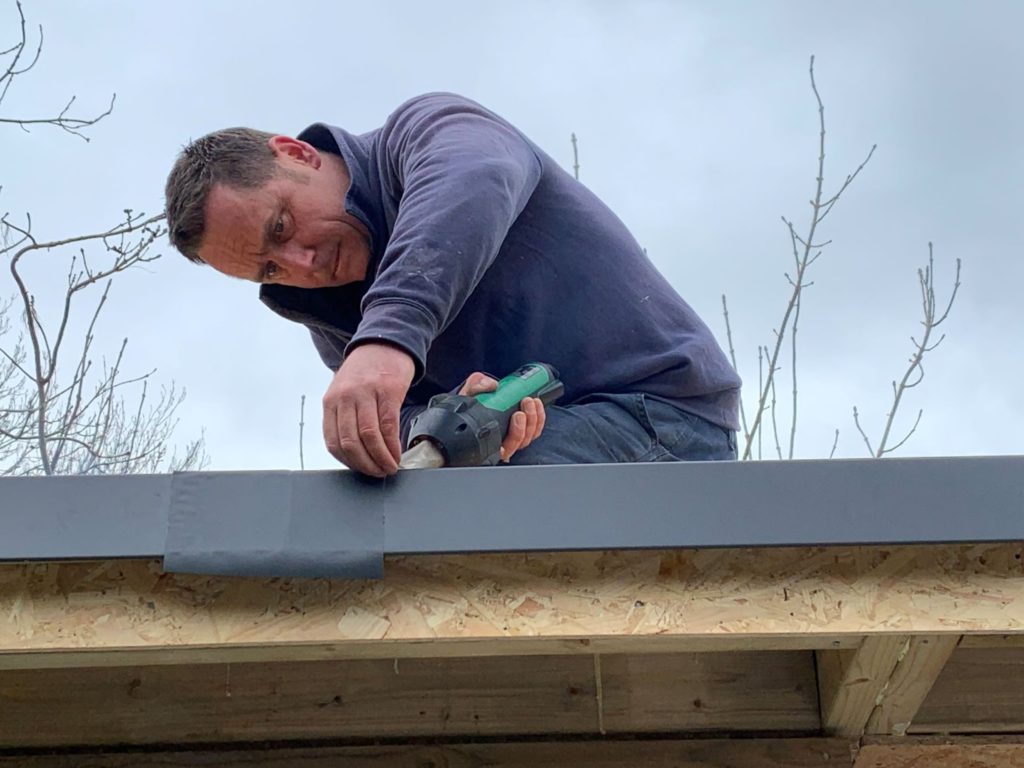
[633, 427]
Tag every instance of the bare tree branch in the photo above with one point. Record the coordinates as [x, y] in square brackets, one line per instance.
[732, 357]
[914, 373]
[856, 421]
[803, 253]
[774, 409]
[59, 412]
[63, 120]
[575, 159]
[302, 424]
[835, 444]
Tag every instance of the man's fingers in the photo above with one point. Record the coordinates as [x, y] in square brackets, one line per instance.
[390, 426]
[341, 439]
[525, 427]
[362, 407]
[531, 407]
[478, 383]
[372, 440]
[330, 430]
[514, 438]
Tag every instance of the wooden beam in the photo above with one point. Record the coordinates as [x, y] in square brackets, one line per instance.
[944, 752]
[955, 752]
[879, 687]
[658, 753]
[850, 682]
[992, 641]
[410, 698]
[981, 690]
[500, 604]
[913, 677]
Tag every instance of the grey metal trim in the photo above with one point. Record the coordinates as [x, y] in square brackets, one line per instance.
[85, 518]
[336, 523]
[708, 504]
[272, 524]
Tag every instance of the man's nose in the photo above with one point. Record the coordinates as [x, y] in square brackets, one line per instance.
[298, 256]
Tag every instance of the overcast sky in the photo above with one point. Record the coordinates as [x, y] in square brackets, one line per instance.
[696, 124]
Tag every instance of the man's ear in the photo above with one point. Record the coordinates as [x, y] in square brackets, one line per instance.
[295, 149]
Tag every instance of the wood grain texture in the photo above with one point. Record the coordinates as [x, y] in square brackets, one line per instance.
[960, 752]
[408, 698]
[980, 690]
[916, 671]
[992, 641]
[659, 753]
[945, 752]
[581, 602]
[850, 682]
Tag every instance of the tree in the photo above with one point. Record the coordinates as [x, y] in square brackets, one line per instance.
[60, 411]
[805, 251]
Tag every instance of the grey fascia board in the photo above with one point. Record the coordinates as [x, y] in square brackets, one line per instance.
[83, 517]
[623, 506]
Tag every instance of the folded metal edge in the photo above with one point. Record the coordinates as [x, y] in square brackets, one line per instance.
[814, 502]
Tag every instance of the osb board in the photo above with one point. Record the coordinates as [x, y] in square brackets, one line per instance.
[409, 698]
[746, 597]
[659, 753]
[979, 690]
[945, 752]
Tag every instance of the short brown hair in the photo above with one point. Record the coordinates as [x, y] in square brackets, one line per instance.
[237, 157]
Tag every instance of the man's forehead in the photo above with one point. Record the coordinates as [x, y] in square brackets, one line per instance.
[235, 223]
[225, 203]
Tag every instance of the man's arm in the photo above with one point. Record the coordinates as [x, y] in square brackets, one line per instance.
[463, 176]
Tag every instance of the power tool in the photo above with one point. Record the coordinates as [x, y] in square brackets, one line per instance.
[464, 431]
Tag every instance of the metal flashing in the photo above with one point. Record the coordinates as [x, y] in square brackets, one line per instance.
[272, 524]
[337, 524]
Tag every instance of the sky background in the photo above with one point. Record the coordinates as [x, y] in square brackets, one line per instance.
[696, 124]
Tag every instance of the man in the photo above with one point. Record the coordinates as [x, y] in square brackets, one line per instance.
[447, 242]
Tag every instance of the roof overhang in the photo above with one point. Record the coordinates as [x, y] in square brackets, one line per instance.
[338, 524]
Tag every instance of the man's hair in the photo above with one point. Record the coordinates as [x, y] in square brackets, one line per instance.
[236, 157]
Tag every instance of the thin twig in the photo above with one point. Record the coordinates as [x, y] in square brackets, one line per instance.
[302, 424]
[732, 357]
[804, 254]
[774, 409]
[914, 373]
[575, 159]
[856, 421]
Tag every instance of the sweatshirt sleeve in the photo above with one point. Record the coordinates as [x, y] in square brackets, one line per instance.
[461, 175]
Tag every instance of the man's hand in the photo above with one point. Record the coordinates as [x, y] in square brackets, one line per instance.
[362, 407]
[526, 425]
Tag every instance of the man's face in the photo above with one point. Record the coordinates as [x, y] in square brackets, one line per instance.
[293, 230]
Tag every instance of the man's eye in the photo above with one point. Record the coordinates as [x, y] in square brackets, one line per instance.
[279, 227]
[270, 270]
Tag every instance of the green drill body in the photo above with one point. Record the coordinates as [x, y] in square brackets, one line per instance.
[465, 431]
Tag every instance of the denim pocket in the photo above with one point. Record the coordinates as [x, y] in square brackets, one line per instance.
[684, 436]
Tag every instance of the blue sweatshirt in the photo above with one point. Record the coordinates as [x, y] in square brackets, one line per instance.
[485, 255]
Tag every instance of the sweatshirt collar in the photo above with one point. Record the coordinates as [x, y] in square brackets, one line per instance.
[363, 197]
[334, 305]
